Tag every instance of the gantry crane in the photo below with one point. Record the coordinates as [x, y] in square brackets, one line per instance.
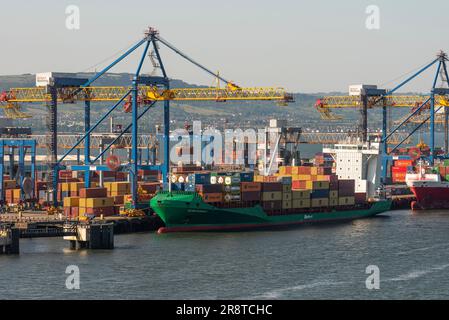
[143, 92]
[373, 98]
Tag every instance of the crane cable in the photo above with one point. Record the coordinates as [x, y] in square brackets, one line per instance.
[166, 43]
[405, 74]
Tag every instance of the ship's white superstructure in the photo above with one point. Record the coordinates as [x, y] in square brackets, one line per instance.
[360, 162]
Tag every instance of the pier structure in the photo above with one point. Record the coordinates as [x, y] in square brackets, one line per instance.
[9, 240]
[90, 236]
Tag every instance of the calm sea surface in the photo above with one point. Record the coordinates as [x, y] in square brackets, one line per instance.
[318, 262]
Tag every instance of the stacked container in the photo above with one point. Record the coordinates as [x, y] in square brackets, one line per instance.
[271, 195]
[399, 170]
[95, 202]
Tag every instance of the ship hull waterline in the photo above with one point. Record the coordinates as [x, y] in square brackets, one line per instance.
[188, 213]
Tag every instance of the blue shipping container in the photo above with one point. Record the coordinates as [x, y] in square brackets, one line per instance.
[320, 194]
[199, 178]
[247, 176]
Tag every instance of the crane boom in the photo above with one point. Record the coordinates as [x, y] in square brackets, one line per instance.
[408, 101]
[147, 93]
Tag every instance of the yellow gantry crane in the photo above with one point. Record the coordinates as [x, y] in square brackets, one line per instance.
[146, 94]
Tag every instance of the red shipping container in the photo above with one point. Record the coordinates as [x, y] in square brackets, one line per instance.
[250, 196]
[271, 186]
[67, 212]
[150, 187]
[93, 193]
[304, 170]
[65, 174]
[41, 185]
[324, 170]
[74, 212]
[142, 172]
[250, 186]
[74, 193]
[403, 163]
[119, 199]
[298, 185]
[398, 177]
[106, 211]
[399, 169]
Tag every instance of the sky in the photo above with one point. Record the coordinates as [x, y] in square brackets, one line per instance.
[304, 46]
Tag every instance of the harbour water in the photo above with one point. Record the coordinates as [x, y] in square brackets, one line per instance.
[411, 251]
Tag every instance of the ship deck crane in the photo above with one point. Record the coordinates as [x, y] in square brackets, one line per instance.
[381, 98]
[143, 92]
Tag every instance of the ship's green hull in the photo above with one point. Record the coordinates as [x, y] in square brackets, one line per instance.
[186, 211]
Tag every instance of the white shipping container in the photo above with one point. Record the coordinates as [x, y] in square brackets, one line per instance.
[275, 123]
[356, 89]
[43, 78]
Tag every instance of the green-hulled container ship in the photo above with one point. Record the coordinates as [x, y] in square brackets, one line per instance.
[186, 211]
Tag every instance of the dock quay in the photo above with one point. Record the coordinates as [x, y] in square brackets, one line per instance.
[38, 224]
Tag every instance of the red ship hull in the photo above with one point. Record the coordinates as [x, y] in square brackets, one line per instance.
[434, 195]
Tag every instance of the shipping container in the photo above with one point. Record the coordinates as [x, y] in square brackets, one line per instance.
[346, 188]
[319, 193]
[286, 188]
[286, 204]
[93, 193]
[399, 169]
[333, 194]
[302, 177]
[232, 189]
[299, 185]
[272, 205]
[272, 196]
[228, 197]
[71, 201]
[300, 194]
[300, 203]
[251, 196]
[346, 201]
[96, 202]
[119, 199]
[199, 178]
[287, 195]
[250, 186]
[9, 184]
[320, 202]
[403, 163]
[105, 211]
[247, 176]
[212, 197]
[150, 187]
[209, 188]
[317, 185]
[271, 186]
